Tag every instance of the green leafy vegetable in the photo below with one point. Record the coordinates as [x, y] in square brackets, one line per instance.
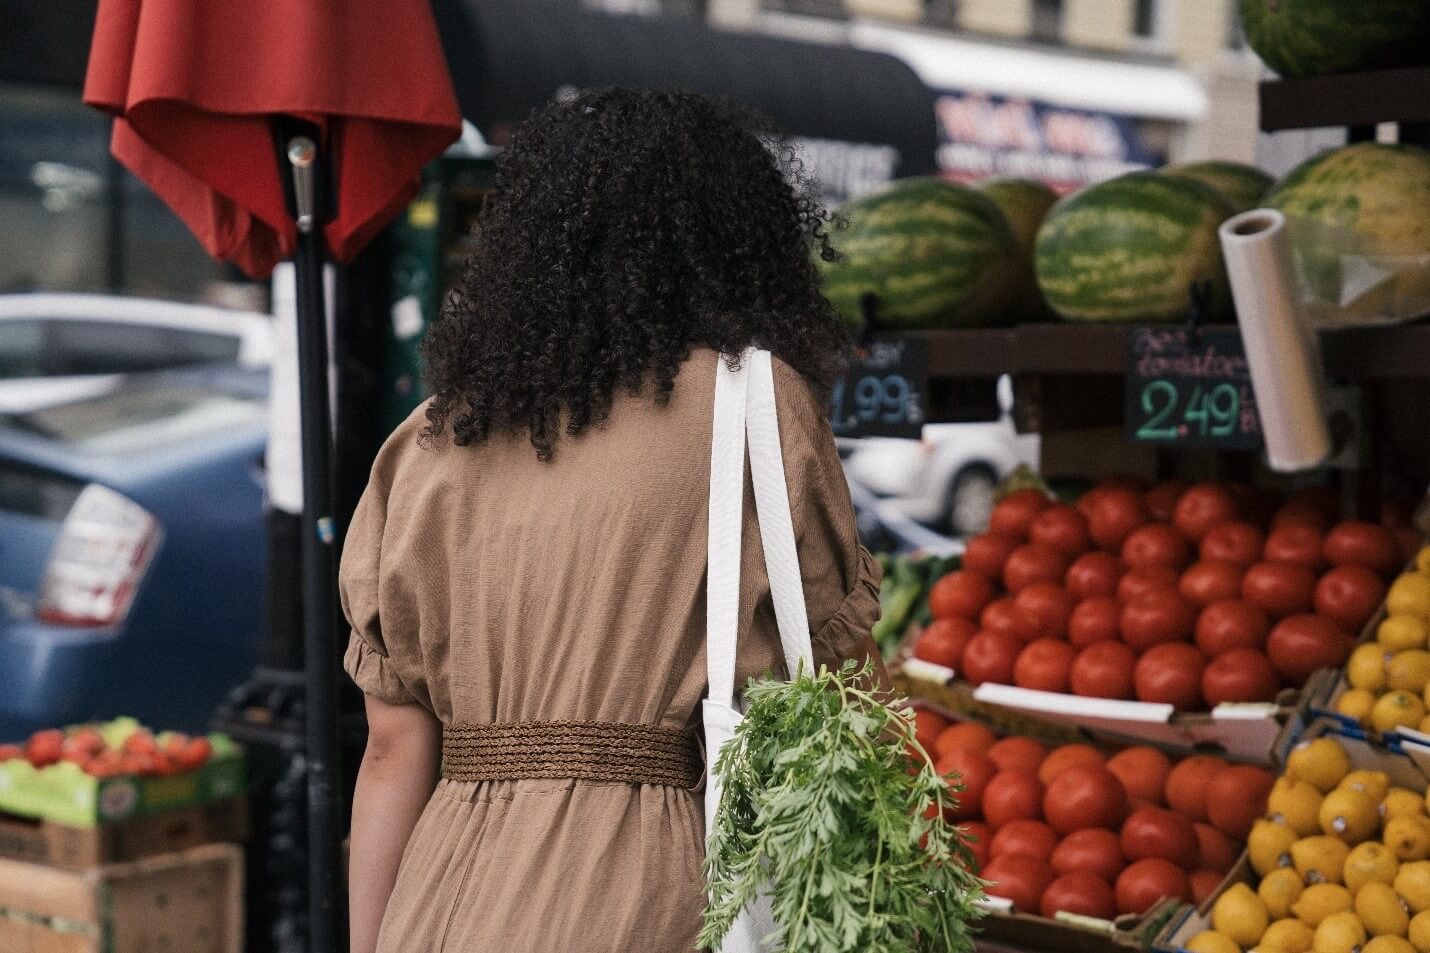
[821, 810]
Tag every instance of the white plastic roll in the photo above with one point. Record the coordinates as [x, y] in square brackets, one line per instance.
[1282, 351]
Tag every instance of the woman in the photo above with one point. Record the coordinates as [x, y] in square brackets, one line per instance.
[525, 573]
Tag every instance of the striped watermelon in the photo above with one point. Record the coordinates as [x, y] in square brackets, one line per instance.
[1315, 37]
[936, 255]
[1130, 248]
[1024, 203]
[1241, 185]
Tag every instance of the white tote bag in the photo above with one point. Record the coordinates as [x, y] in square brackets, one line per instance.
[745, 407]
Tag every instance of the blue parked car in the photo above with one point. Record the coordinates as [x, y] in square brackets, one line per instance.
[132, 550]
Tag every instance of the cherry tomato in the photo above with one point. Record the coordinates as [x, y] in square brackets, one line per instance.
[1103, 670]
[987, 552]
[1363, 544]
[1203, 884]
[928, 725]
[1187, 784]
[1093, 574]
[1239, 543]
[1068, 756]
[1084, 796]
[1112, 514]
[943, 642]
[1044, 608]
[1033, 562]
[990, 657]
[1230, 624]
[1161, 500]
[1279, 589]
[1237, 797]
[977, 836]
[1300, 644]
[972, 770]
[968, 735]
[1209, 581]
[1142, 884]
[1348, 596]
[1157, 616]
[1014, 513]
[1215, 850]
[1135, 582]
[1156, 544]
[1240, 675]
[1170, 674]
[1019, 878]
[962, 592]
[1012, 796]
[1016, 753]
[1096, 850]
[1000, 616]
[1061, 527]
[1044, 665]
[1082, 893]
[1295, 543]
[1203, 507]
[1030, 838]
[1154, 832]
[1094, 620]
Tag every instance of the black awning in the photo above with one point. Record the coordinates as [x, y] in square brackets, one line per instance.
[509, 56]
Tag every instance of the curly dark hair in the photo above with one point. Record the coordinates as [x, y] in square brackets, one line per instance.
[625, 228]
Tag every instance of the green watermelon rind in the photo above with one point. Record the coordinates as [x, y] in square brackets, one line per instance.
[1244, 186]
[1318, 37]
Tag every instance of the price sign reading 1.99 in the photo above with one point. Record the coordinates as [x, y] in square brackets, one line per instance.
[1191, 388]
[883, 392]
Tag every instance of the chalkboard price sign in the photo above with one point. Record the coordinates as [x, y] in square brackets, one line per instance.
[1190, 387]
[883, 392]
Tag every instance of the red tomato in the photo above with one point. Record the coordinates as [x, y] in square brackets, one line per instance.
[1135, 582]
[45, 747]
[1103, 670]
[1068, 756]
[1203, 507]
[1156, 544]
[1154, 832]
[928, 725]
[1019, 878]
[1203, 884]
[1016, 753]
[1279, 589]
[1161, 500]
[944, 640]
[1033, 562]
[1142, 884]
[1188, 782]
[1096, 850]
[1143, 772]
[1236, 797]
[1348, 596]
[1014, 513]
[1012, 796]
[1084, 796]
[990, 657]
[1300, 644]
[1026, 837]
[1231, 624]
[1044, 665]
[967, 735]
[1044, 608]
[1239, 543]
[1093, 574]
[1094, 620]
[1171, 674]
[1215, 851]
[1206, 582]
[987, 552]
[1061, 527]
[1112, 515]
[962, 592]
[1081, 893]
[1304, 513]
[1355, 543]
[971, 770]
[1000, 616]
[977, 835]
[1240, 675]
[1296, 543]
[1157, 616]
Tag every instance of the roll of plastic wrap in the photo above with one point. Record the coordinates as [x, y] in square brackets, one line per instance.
[1282, 351]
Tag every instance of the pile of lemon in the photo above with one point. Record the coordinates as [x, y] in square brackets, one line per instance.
[1390, 677]
[1343, 861]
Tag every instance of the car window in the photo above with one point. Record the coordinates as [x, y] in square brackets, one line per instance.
[144, 417]
[21, 348]
[105, 347]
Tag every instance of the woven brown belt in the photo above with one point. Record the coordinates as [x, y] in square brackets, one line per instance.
[589, 750]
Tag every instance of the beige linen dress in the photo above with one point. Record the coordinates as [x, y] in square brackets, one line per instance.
[490, 587]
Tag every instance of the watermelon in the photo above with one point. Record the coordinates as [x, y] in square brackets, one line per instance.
[1024, 203]
[1130, 248]
[1316, 37]
[1241, 185]
[1358, 219]
[935, 255]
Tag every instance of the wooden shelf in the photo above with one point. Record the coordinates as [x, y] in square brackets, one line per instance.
[1347, 99]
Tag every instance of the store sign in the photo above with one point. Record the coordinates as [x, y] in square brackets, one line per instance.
[982, 135]
[1191, 388]
[883, 392]
[846, 170]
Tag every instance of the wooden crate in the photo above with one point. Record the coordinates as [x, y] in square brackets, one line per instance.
[79, 848]
[189, 902]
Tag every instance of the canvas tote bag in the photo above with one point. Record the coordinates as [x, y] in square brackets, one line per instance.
[745, 409]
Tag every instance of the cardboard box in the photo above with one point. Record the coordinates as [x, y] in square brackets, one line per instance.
[190, 902]
[43, 841]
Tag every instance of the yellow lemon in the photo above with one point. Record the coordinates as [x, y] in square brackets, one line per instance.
[1287, 936]
[1371, 862]
[1278, 890]
[1356, 704]
[1381, 910]
[1408, 670]
[1397, 710]
[1409, 595]
[1402, 802]
[1373, 784]
[1320, 859]
[1319, 901]
[1269, 845]
[1350, 815]
[1388, 944]
[1409, 837]
[1296, 804]
[1210, 941]
[1422, 560]
[1321, 762]
[1339, 933]
[1240, 914]
[1397, 632]
[1420, 932]
[1366, 666]
[1412, 882]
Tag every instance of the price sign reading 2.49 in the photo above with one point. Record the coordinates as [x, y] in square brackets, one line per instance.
[882, 393]
[1191, 388]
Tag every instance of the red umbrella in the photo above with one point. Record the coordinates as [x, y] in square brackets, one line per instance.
[241, 114]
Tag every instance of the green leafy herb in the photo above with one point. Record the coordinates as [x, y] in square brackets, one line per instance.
[824, 807]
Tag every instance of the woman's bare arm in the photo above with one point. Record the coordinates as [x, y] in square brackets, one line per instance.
[398, 773]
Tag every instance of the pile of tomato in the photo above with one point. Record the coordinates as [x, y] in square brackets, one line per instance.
[1073, 829]
[1187, 595]
[140, 753]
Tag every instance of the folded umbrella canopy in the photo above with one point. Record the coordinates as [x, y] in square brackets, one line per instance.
[273, 128]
